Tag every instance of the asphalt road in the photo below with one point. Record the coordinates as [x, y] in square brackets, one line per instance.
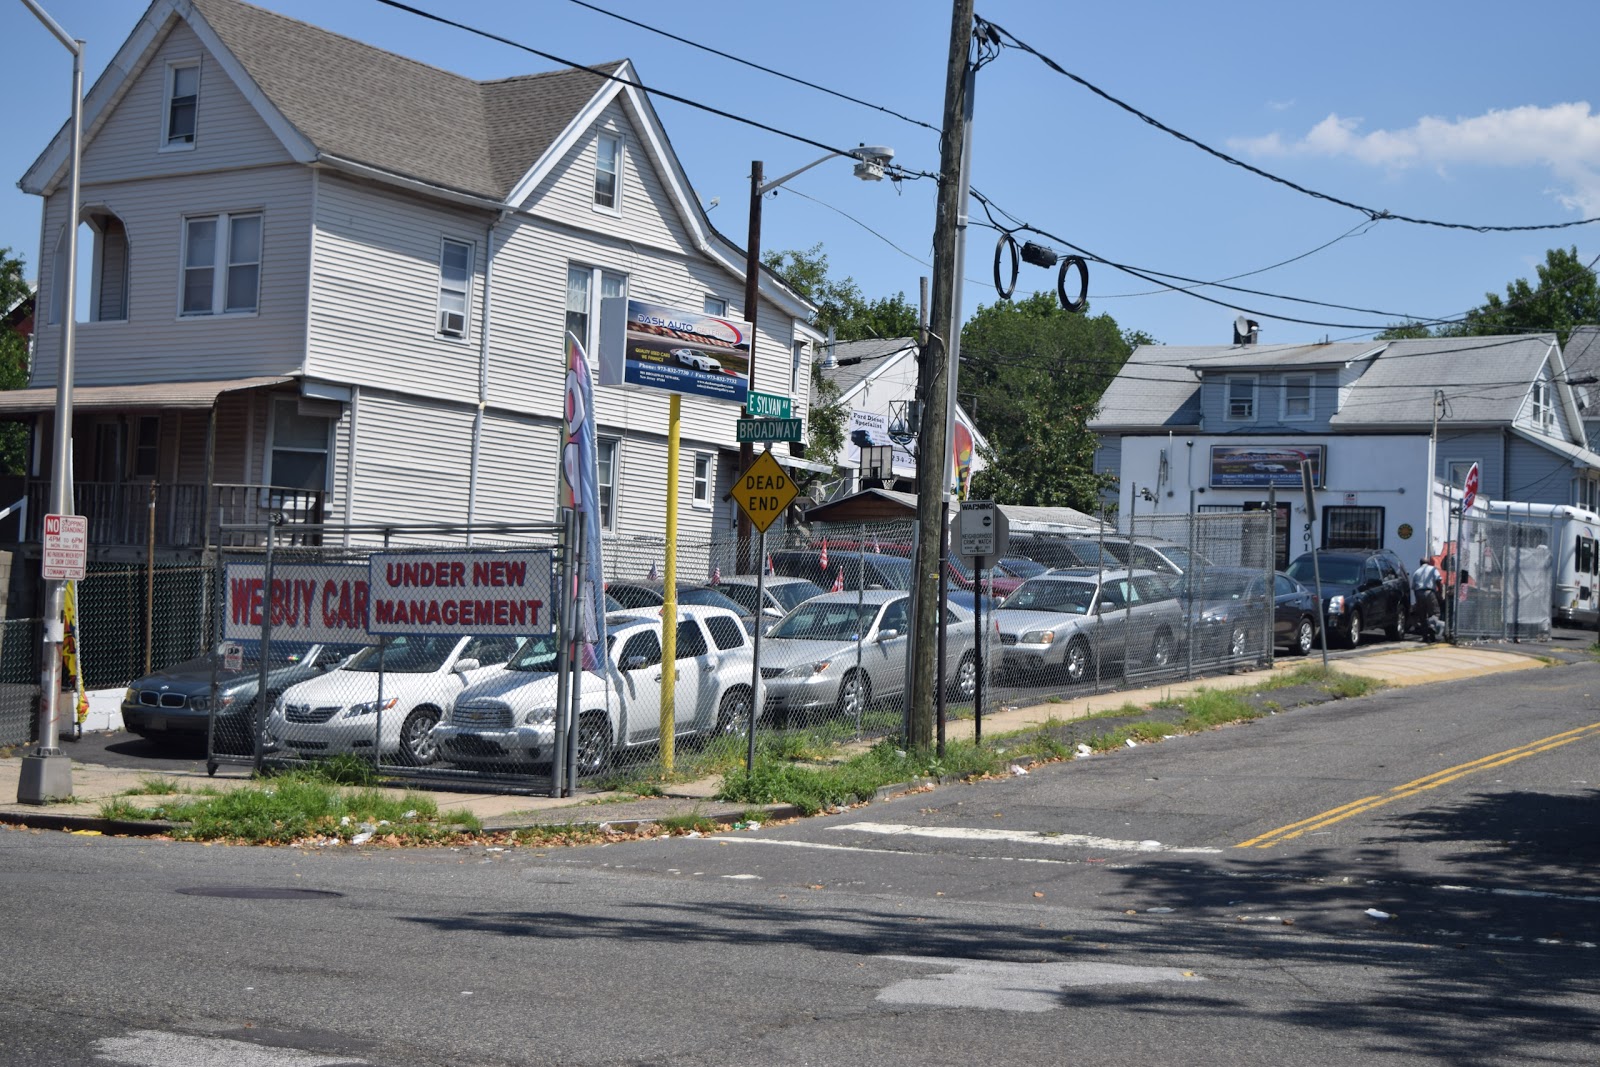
[1100, 911]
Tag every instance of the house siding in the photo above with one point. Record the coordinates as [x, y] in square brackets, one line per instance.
[1269, 402]
[413, 460]
[1537, 475]
[1484, 447]
[155, 344]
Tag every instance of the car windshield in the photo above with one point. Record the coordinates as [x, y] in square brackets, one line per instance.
[1022, 568]
[1335, 571]
[537, 654]
[792, 594]
[1179, 556]
[279, 654]
[892, 571]
[709, 598]
[406, 655]
[1072, 598]
[1223, 587]
[832, 620]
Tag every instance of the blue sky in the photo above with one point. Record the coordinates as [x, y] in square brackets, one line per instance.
[1458, 111]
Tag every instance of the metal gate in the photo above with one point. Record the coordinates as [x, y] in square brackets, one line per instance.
[1500, 585]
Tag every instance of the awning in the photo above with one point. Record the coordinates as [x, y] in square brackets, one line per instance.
[784, 460]
[192, 395]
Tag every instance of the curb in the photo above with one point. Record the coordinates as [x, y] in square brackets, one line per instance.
[45, 820]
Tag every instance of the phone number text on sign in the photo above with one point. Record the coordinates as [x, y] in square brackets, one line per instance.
[461, 593]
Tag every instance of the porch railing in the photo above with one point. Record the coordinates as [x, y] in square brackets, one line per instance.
[120, 514]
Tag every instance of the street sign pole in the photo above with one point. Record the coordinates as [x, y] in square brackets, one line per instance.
[1316, 562]
[763, 492]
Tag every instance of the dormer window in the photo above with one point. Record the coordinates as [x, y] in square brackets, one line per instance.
[183, 105]
[1544, 415]
[1241, 397]
[608, 172]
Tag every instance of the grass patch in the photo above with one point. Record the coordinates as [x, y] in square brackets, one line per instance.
[814, 788]
[683, 824]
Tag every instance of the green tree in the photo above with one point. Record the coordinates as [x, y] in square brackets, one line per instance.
[1567, 295]
[1033, 375]
[840, 303]
[13, 362]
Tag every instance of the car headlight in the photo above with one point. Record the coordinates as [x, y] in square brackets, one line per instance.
[131, 696]
[1213, 616]
[805, 670]
[1038, 637]
[371, 707]
[539, 716]
[1335, 605]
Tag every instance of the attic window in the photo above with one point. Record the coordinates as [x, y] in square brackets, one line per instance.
[183, 104]
[608, 171]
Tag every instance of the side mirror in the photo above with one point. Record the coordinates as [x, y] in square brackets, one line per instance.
[887, 635]
[635, 663]
[466, 664]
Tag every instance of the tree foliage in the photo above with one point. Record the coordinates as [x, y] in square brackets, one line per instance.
[1031, 378]
[1566, 296]
[13, 362]
[840, 303]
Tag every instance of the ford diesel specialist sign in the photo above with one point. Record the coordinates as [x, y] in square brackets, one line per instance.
[461, 593]
[675, 350]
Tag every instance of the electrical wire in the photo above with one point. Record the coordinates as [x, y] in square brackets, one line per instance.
[895, 170]
[755, 66]
[1372, 213]
[1360, 229]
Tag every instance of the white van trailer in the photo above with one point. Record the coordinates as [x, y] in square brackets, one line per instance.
[1575, 555]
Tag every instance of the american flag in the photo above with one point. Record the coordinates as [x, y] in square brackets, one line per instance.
[716, 575]
[838, 583]
[823, 559]
[876, 547]
[653, 576]
[770, 568]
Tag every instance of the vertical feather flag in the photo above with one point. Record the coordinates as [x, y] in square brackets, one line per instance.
[716, 575]
[822, 560]
[580, 491]
[770, 568]
[838, 583]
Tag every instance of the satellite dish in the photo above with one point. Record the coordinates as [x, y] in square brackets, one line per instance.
[1241, 329]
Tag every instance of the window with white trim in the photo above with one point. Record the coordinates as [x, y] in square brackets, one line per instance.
[702, 480]
[608, 172]
[717, 306]
[455, 280]
[583, 307]
[1297, 393]
[181, 113]
[606, 464]
[796, 358]
[1241, 398]
[1544, 414]
[221, 265]
[299, 449]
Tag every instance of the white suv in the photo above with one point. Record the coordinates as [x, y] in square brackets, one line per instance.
[508, 722]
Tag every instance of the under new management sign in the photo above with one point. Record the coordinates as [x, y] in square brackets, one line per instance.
[461, 593]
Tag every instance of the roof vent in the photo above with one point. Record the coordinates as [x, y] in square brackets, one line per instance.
[1245, 331]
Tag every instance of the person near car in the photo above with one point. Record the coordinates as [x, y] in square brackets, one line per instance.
[1425, 583]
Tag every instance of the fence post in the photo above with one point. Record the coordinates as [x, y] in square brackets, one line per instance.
[1188, 580]
[150, 579]
[260, 717]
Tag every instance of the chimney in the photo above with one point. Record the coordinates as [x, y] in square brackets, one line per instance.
[1245, 331]
[828, 360]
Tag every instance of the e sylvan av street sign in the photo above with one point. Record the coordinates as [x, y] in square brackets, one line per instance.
[757, 431]
[767, 406]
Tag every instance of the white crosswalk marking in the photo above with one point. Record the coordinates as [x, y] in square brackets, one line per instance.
[158, 1048]
[1028, 837]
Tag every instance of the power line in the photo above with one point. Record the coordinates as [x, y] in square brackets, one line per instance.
[1372, 213]
[1358, 230]
[755, 66]
[895, 170]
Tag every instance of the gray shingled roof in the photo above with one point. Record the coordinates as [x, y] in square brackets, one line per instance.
[1582, 359]
[872, 353]
[412, 120]
[1485, 381]
[1275, 357]
[1155, 388]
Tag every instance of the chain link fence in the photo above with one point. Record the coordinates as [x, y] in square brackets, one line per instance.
[1503, 588]
[20, 643]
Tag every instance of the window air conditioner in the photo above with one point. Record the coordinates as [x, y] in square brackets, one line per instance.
[452, 323]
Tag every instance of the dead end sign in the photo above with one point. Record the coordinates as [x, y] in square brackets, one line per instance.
[764, 491]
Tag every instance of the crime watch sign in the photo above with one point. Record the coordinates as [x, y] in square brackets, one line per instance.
[764, 491]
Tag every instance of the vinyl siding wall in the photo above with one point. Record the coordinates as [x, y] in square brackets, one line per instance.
[1485, 447]
[1269, 402]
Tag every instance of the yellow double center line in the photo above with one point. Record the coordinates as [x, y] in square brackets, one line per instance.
[1412, 788]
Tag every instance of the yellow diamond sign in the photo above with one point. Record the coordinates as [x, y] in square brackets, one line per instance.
[764, 491]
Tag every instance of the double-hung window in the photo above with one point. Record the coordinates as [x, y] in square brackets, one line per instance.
[606, 465]
[717, 306]
[182, 106]
[702, 480]
[1241, 397]
[1544, 415]
[583, 309]
[608, 172]
[299, 453]
[455, 276]
[1297, 393]
[221, 264]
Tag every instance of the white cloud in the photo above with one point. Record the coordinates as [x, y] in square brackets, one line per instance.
[1280, 105]
[1563, 137]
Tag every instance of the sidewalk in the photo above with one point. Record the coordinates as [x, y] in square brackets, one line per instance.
[94, 784]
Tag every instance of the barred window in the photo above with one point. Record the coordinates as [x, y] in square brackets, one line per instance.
[1352, 527]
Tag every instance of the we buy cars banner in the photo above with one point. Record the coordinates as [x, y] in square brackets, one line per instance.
[309, 601]
[461, 593]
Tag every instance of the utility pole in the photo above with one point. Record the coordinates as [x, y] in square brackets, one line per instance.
[935, 378]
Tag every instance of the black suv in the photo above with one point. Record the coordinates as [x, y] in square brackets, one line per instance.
[1363, 589]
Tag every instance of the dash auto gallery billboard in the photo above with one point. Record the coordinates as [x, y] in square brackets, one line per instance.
[1263, 466]
[675, 350]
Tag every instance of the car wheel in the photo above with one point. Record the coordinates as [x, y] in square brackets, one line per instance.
[733, 716]
[1305, 638]
[1238, 642]
[1354, 637]
[854, 693]
[594, 744]
[965, 683]
[1161, 649]
[417, 747]
[1077, 660]
[1396, 629]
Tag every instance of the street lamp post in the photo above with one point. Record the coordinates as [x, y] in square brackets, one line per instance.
[870, 162]
[46, 774]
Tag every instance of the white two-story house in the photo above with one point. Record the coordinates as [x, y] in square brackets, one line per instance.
[326, 280]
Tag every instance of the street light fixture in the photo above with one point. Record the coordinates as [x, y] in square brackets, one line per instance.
[46, 774]
[871, 160]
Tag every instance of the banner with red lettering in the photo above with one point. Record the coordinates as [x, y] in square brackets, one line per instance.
[310, 601]
[461, 593]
